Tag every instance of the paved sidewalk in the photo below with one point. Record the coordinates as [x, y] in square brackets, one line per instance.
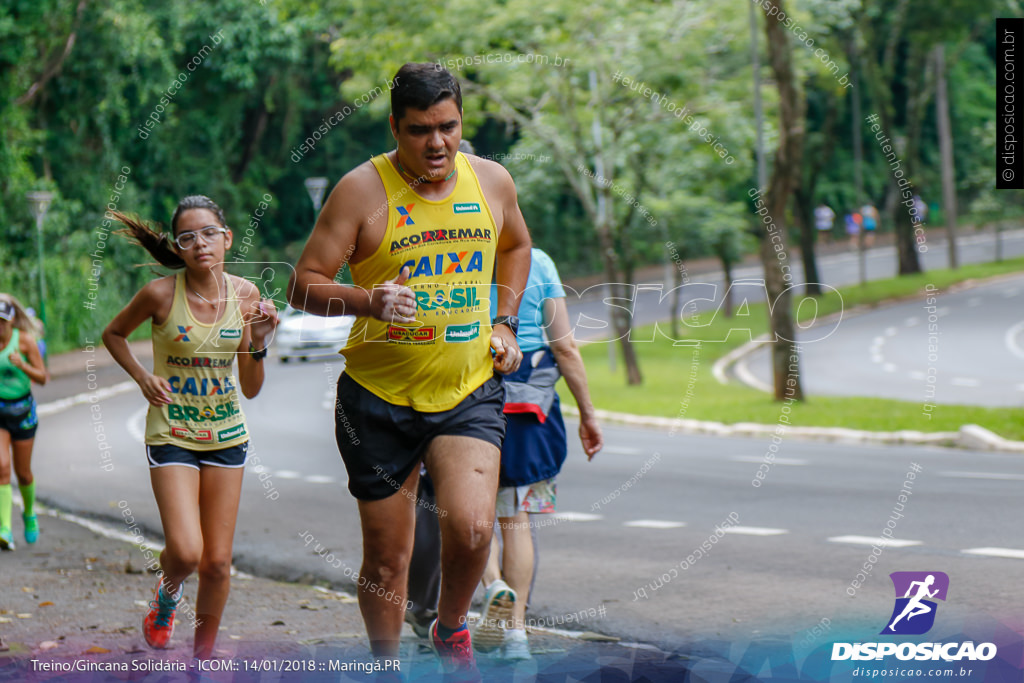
[75, 600]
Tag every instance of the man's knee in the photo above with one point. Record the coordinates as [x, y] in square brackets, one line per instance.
[385, 567]
[469, 537]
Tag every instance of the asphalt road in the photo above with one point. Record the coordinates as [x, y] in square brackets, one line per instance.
[651, 301]
[961, 347]
[784, 566]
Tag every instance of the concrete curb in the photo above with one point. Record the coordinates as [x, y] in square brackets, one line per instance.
[971, 437]
[979, 438]
[737, 356]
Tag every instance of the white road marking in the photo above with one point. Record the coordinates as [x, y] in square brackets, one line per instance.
[286, 474]
[576, 516]
[1010, 339]
[622, 450]
[1011, 292]
[654, 524]
[983, 475]
[939, 312]
[917, 374]
[964, 382]
[748, 377]
[755, 531]
[889, 367]
[878, 341]
[137, 424]
[974, 302]
[777, 461]
[880, 541]
[890, 332]
[877, 358]
[1020, 387]
[320, 479]
[1011, 553]
[911, 321]
[60, 405]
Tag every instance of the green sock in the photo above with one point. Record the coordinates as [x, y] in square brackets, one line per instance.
[28, 496]
[5, 506]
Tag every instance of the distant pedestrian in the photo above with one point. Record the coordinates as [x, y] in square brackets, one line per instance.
[921, 207]
[852, 221]
[869, 215]
[532, 455]
[824, 217]
[20, 365]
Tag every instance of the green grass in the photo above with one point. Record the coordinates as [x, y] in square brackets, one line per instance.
[671, 371]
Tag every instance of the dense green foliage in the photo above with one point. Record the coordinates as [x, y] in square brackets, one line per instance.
[230, 89]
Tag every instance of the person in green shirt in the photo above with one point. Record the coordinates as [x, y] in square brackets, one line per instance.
[20, 365]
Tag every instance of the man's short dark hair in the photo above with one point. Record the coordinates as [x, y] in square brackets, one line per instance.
[421, 86]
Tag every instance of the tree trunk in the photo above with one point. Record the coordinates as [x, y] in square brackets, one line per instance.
[946, 148]
[250, 145]
[882, 95]
[621, 323]
[677, 297]
[785, 178]
[804, 217]
[804, 200]
[727, 270]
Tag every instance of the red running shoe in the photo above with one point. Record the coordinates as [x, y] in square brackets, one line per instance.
[158, 626]
[456, 654]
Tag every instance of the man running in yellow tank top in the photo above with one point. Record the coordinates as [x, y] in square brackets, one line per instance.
[423, 229]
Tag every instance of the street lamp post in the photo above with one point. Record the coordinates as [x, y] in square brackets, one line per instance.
[39, 204]
[315, 187]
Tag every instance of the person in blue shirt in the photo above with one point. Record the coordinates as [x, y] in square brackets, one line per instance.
[533, 452]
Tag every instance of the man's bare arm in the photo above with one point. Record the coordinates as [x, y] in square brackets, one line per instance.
[512, 262]
[334, 239]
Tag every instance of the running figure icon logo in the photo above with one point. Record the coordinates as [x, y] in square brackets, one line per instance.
[914, 612]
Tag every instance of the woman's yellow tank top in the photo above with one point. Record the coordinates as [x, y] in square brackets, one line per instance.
[197, 361]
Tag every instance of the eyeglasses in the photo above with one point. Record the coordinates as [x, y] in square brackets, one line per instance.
[187, 240]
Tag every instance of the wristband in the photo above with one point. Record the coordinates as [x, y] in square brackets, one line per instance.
[257, 355]
[511, 321]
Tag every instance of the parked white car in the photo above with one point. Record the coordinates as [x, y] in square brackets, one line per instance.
[304, 335]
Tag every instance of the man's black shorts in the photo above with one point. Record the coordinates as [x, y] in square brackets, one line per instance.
[381, 443]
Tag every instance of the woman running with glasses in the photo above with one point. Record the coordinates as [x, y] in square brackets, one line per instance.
[196, 436]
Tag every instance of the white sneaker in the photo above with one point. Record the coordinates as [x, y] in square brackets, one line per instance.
[489, 631]
[516, 645]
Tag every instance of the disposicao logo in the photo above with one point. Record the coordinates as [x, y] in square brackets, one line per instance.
[912, 615]
[915, 587]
